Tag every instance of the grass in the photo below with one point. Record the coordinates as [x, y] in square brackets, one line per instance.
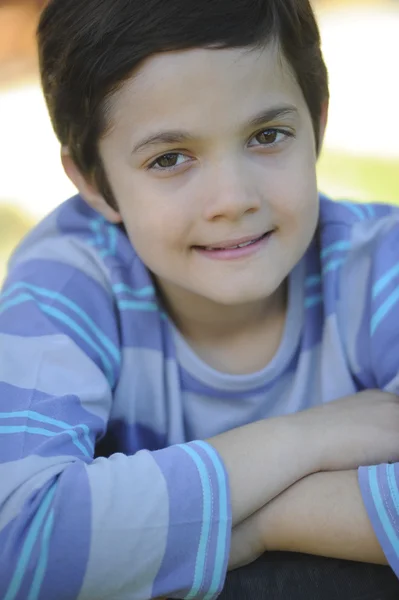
[340, 176]
[359, 178]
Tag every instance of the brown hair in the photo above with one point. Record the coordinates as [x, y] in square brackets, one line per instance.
[89, 48]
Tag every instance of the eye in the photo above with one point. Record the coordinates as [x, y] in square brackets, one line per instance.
[271, 137]
[168, 161]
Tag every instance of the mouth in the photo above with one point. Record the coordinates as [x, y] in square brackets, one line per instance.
[239, 249]
[234, 244]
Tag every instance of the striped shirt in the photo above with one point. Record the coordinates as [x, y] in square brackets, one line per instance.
[105, 490]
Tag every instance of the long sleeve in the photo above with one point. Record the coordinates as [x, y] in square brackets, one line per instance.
[71, 526]
[373, 348]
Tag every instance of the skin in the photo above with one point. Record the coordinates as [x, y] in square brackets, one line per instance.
[322, 514]
[228, 180]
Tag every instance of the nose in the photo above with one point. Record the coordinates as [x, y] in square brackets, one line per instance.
[232, 193]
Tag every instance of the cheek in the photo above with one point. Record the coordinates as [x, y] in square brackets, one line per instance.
[155, 230]
[299, 191]
[296, 202]
[158, 218]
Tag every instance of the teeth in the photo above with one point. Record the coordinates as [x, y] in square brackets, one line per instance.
[209, 248]
[246, 244]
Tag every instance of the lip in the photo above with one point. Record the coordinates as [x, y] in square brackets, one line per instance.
[231, 253]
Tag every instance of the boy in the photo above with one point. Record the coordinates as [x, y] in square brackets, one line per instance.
[197, 288]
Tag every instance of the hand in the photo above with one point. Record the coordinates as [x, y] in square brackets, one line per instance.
[355, 431]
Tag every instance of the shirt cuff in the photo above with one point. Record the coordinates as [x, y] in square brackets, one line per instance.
[379, 486]
[200, 522]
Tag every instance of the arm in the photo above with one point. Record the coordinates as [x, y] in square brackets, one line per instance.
[372, 439]
[363, 435]
[322, 514]
[265, 458]
[370, 327]
[96, 528]
[127, 525]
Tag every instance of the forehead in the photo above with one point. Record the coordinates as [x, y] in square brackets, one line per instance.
[179, 88]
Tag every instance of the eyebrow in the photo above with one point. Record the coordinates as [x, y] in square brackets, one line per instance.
[179, 136]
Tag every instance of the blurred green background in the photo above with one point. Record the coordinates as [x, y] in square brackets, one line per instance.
[360, 160]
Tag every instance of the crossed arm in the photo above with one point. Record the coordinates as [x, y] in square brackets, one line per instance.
[322, 514]
[301, 493]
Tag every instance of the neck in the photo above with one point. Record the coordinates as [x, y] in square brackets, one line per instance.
[202, 319]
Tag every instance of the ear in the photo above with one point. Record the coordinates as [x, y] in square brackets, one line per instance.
[323, 122]
[87, 189]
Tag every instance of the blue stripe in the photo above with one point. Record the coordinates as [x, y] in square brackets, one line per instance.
[206, 522]
[95, 225]
[110, 248]
[333, 265]
[381, 510]
[106, 252]
[384, 310]
[121, 288]
[354, 209]
[382, 283]
[313, 301]
[28, 546]
[132, 305]
[43, 560]
[10, 429]
[370, 210]
[106, 342]
[223, 520]
[313, 281]
[34, 416]
[60, 316]
[337, 247]
[393, 486]
[15, 302]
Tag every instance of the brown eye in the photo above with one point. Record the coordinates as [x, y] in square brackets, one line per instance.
[167, 161]
[271, 138]
[267, 137]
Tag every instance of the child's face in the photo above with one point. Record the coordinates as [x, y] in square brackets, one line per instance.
[191, 172]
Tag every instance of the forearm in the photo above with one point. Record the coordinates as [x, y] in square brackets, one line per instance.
[265, 458]
[322, 514]
[254, 479]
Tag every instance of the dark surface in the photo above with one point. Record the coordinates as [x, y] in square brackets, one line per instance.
[285, 576]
